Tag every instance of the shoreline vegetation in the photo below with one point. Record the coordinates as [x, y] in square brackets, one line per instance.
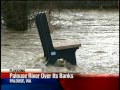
[15, 13]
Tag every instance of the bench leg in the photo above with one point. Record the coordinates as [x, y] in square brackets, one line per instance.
[71, 58]
[51, 61]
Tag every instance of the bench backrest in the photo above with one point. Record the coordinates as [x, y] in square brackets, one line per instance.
[44, 33]
[40, 32]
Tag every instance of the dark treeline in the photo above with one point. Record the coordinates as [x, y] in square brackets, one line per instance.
[15, 13]
[86, 4]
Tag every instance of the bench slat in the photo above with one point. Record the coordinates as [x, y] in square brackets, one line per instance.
[66, 44]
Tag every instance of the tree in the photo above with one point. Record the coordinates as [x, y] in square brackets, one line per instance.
[15, 14]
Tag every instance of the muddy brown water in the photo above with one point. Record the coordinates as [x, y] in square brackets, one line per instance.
[97, 31]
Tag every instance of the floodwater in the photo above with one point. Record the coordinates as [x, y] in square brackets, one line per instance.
[96, 30]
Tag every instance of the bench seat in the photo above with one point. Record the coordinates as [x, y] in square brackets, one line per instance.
[66, 44]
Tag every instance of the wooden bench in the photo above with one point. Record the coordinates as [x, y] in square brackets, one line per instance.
[58, 50]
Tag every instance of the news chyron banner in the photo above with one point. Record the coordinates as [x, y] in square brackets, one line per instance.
[35, 79]
[31, 79]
